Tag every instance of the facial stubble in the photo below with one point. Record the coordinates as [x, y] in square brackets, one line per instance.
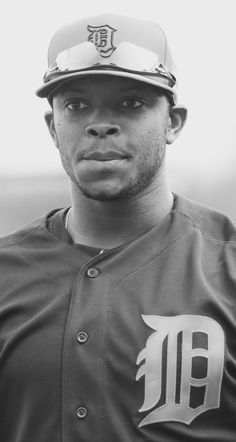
[149, 161]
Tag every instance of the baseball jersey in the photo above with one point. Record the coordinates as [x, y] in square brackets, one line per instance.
[136, 343]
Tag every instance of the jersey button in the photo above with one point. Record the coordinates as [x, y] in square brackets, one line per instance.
[92, 272]
[82, 337]
[81, 412]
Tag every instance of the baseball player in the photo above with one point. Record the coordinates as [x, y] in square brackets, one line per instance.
[117, 314]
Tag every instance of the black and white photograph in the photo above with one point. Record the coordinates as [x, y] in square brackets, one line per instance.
[118, 222]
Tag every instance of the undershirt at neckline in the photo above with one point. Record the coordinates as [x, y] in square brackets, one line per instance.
[56, 226]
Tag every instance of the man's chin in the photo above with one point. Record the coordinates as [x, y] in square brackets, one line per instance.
[115, 190]
[109, 193]
[103, 195]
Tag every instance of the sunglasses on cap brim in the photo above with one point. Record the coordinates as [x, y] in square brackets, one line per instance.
[126, 57]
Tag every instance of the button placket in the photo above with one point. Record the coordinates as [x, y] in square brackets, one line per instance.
[81, 345]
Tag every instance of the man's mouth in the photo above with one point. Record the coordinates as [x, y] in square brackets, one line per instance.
[105, 156]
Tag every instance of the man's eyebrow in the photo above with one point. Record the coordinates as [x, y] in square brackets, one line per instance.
[134, 90]
[73, 89]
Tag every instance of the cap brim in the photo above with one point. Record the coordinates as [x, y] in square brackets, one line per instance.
[48, 88]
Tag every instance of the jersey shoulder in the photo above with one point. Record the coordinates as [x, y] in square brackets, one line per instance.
[215, 225]
[27, 234]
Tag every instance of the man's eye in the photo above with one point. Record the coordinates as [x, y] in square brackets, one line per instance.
[76, 105]
[132, 103]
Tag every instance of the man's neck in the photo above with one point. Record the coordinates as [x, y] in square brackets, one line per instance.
[109, 224]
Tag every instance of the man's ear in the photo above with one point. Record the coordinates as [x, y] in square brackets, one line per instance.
[48, 116]
[178, 116]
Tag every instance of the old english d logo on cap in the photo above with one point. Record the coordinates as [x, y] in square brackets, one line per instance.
[102, 38]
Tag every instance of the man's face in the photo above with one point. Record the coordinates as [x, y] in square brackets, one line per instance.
[111, 134]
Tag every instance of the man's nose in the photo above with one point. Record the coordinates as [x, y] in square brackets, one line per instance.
[102, 130]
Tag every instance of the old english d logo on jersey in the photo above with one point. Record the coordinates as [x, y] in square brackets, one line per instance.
[182, 369]
[102, 38]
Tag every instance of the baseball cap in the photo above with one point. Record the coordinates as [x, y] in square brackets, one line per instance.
[110, 44]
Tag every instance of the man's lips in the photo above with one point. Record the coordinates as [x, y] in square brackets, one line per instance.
[105, 156]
